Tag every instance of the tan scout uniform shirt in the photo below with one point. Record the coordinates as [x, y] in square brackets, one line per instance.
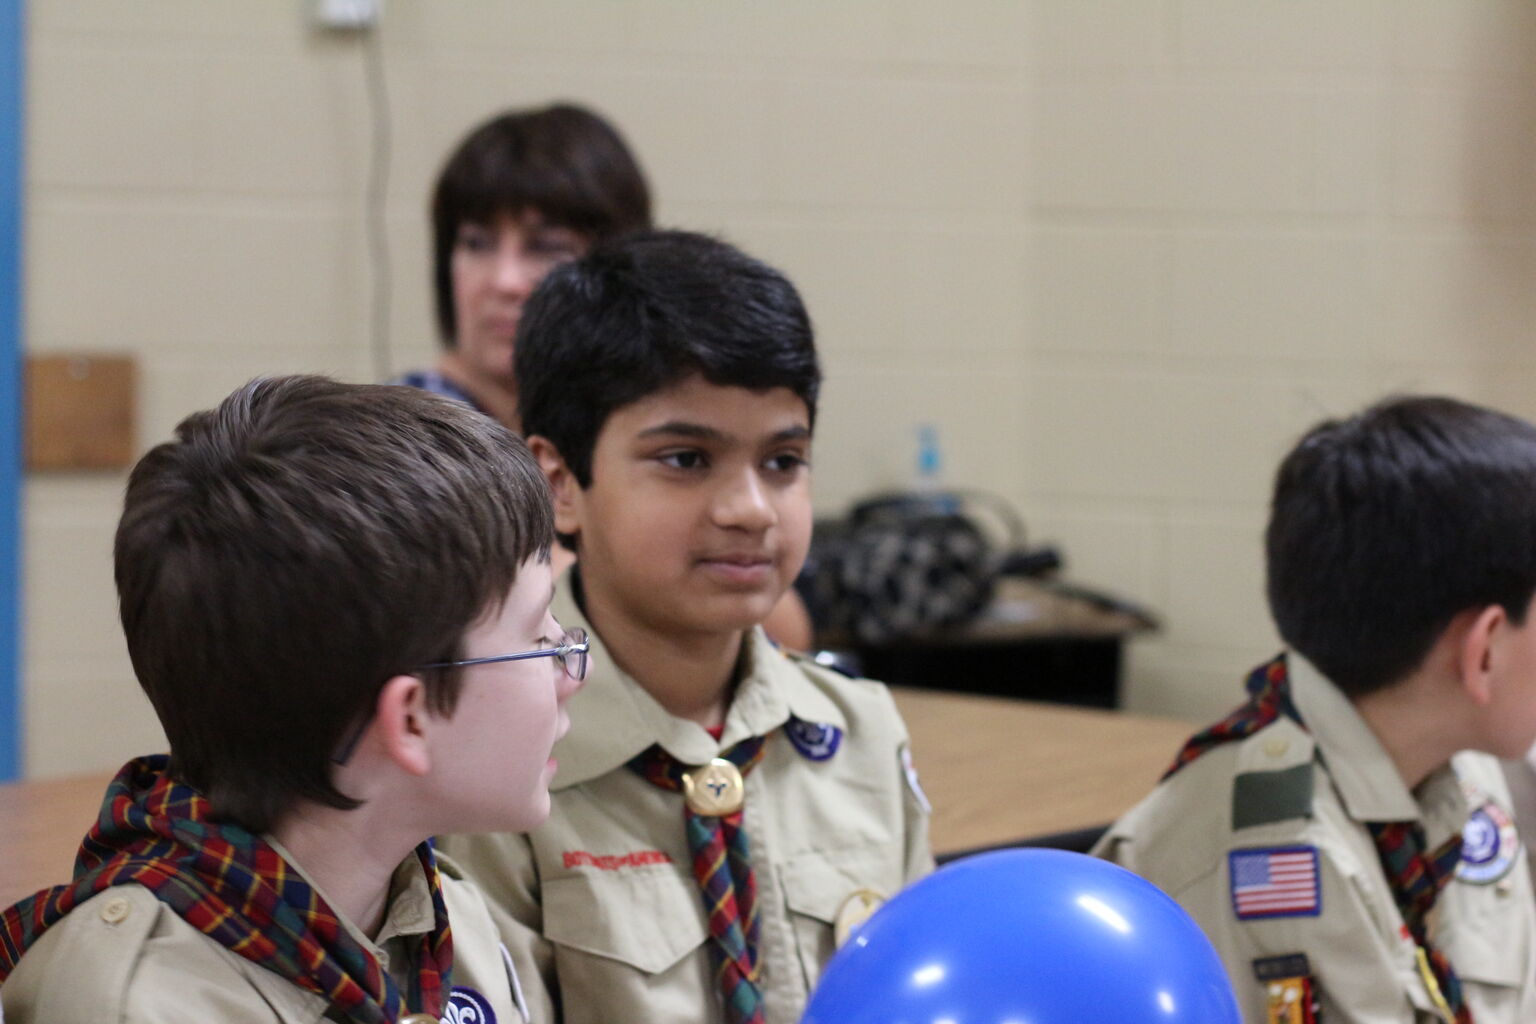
[123, 957]
[1357, 946]
[601, 903]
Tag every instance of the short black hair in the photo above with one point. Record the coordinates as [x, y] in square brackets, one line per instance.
[641, 313]
[296, 547]
[563, 161]
[1388, 524]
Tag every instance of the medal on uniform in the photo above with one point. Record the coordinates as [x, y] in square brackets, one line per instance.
[857, 907]
[1290, 997]
[714, 790]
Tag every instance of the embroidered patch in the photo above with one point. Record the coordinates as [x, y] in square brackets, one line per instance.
[815, 740]
[466, 1006]
[1489, 846]
[615, 861]
[1275, 882]
[1273, 968]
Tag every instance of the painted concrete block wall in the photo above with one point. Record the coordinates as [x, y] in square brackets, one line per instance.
[1119, 253]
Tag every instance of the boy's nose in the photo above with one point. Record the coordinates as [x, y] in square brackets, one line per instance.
[743, 502]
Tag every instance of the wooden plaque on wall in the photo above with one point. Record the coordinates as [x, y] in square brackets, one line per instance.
[80, 411]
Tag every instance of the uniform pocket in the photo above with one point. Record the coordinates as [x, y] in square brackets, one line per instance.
[649, 919]
[817, 884]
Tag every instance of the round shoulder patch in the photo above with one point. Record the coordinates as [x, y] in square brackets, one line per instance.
[1489, 845]
[817, 741]
[466, 1006]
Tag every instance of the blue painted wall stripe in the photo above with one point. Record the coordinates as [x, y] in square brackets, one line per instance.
[12, 112]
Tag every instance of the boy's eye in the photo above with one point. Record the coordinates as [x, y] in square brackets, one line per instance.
[686, 459]
[787, 462]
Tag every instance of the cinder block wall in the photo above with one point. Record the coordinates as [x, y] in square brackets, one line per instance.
[1120, 254]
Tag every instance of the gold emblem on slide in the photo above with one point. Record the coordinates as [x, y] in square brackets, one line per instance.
[715, 789]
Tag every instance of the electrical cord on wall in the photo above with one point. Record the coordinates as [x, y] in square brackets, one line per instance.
[376, 207]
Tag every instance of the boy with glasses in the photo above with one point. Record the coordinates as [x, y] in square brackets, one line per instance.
[724, 812]
[337, 599]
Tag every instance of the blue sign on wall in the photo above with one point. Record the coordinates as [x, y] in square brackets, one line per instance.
[12, 53]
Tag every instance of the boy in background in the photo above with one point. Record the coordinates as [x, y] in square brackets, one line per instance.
[1345, 837]
[337, 599]
[724, 811]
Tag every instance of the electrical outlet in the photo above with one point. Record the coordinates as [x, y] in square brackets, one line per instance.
[347, 15]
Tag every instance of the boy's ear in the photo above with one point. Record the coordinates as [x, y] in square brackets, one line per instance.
[562, 482]
[401, 718]
[1477, 652]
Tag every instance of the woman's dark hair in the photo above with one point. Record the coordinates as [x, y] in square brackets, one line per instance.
[562, 161]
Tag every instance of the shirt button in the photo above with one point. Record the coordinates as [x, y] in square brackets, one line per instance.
[116, 910]
[1276, 747]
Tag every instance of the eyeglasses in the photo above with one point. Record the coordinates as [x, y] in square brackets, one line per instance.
[571, 650]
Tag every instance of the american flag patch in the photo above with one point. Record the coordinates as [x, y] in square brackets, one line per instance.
[1278, 882]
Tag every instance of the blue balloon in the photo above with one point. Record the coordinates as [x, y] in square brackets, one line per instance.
[1026, 937]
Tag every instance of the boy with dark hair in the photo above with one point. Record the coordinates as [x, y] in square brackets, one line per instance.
[319, 584]
[1345, 837]
[724, 811]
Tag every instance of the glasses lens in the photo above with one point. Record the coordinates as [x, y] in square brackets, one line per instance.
[575, 657]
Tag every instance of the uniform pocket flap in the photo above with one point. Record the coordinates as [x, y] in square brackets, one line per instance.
[817, 884]
[649, 919]
[1491, 957]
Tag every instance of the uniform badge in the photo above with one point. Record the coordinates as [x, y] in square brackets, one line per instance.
[859, 906]
[466, 1006]
[1489, 845]
[1290, 995]
[1281, 881]
[817, 741]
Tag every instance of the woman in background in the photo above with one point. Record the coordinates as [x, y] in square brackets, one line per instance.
[524, 192]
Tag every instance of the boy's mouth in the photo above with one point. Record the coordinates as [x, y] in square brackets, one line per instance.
[738, 567]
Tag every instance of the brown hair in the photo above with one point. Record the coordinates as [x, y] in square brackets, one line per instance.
[294, 548]
[563, 161]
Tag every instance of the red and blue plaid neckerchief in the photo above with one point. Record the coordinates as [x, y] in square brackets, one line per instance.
[722, 865]
[1416, 875]
[235, 888]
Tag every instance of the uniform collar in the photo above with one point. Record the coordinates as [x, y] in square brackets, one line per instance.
[613, 718]
[1360, 767]
[409, 914]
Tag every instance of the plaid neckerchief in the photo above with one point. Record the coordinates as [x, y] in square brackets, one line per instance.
[235, 888]
[722, 865]
[1415, 877]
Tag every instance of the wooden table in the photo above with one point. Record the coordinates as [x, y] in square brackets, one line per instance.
[1037, 640]
[41, 824]
[997, 771]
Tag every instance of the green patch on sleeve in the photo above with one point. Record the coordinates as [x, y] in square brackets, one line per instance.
[1259, 798]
